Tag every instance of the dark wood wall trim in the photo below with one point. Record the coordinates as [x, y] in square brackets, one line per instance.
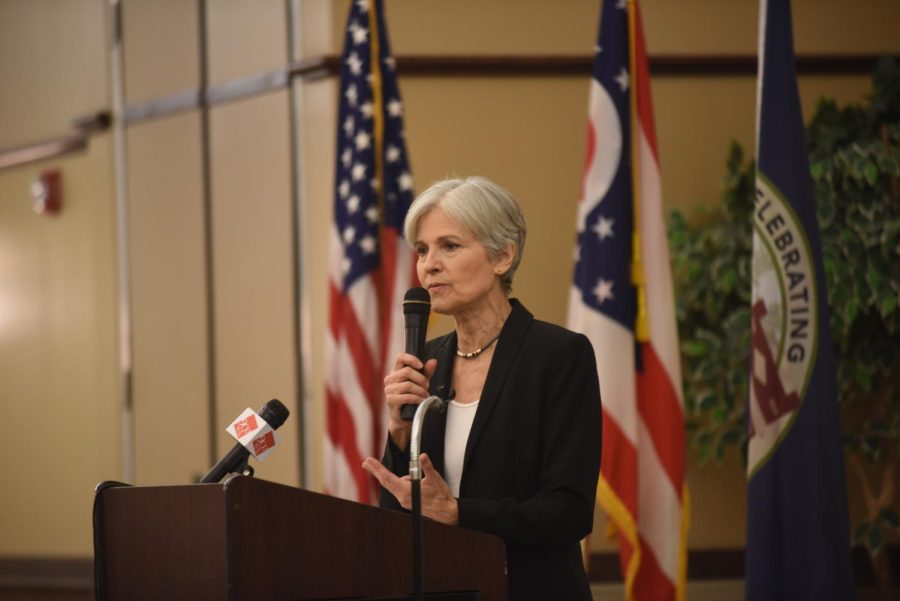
[728, 564]
[322, 67]
[703, 564]
[26, 578]
[319, 67]
[571, 65]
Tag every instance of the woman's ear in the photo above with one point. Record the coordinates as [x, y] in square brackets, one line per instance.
[505, 260]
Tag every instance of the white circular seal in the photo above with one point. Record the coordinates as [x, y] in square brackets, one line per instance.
[784, 318]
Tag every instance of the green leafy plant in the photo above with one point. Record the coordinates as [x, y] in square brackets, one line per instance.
[711, 270]
[855, 163]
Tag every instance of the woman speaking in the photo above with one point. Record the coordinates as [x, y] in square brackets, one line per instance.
[517, 453]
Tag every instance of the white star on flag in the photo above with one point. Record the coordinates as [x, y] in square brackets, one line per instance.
[359, 34]
[366, 109]
[392, 153]
[349, 126]
[362, 140]
[354, 63]
[349, 233]
[405, 181]
[390, 63]
[604, 227]
[603, 290]
[347, 157]
[358, 171]
[367, 244]
[344, 188]
[622, 79]
[351, 95]
[395, 108]
[363, 5]
[353, 204]
[372, 214]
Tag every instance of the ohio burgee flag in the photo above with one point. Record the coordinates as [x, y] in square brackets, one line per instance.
[622, 300]
[798, 537]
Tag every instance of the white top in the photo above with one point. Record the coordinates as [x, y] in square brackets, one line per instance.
[459, 423]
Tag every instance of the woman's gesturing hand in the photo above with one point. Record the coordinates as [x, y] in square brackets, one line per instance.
[406, 386]
[438, 503]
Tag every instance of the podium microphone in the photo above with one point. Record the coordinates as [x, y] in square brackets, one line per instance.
[273, 414]
[415, 476]
[416, 307]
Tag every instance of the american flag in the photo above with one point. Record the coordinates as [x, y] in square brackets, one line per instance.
[622, 299]
[370, 266]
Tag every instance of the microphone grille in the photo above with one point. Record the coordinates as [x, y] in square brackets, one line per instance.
[275, 413]
[417, 301]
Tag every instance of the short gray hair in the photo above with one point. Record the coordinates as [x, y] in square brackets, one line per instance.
[482, 207]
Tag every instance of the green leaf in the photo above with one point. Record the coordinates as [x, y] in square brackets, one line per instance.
[875, 279]
[694, 348]
[888, 304]
[851, 310]
[818, 169]
[871, 173]
[721, 449]
[703, 455]
[862, 375]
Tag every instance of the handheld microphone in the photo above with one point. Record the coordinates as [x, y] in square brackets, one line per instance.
[273, 413]
[416, 307]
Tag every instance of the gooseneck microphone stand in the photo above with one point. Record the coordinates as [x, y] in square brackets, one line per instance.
[415, 476]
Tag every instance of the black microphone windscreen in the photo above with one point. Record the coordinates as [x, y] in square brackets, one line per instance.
[416, 301]
[275, 413]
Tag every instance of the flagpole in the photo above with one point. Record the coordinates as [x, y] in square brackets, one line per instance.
[641, 326]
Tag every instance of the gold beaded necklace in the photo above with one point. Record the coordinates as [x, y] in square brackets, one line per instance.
[479, 350]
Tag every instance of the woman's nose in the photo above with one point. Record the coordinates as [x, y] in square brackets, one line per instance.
[429, 262]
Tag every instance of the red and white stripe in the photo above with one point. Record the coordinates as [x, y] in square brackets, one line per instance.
[365, 333]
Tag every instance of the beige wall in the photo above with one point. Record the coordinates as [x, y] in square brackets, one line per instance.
[205, 354]
[58, 353]
[58, 314]
[169, 298]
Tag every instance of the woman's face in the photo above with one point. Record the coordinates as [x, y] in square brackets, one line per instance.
[453, 264]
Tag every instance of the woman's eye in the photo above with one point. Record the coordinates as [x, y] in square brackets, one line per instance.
[450, 245]
[421, 251]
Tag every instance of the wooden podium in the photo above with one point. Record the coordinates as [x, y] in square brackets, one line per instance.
[249, 539]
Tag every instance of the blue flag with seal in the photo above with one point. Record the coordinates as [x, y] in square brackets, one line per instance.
[798, 534]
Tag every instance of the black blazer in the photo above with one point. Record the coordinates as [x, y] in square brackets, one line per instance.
[532, 459]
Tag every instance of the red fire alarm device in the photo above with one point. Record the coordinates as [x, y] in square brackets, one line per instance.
[46, 192]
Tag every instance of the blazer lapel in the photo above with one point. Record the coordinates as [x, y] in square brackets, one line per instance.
[508, 346]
